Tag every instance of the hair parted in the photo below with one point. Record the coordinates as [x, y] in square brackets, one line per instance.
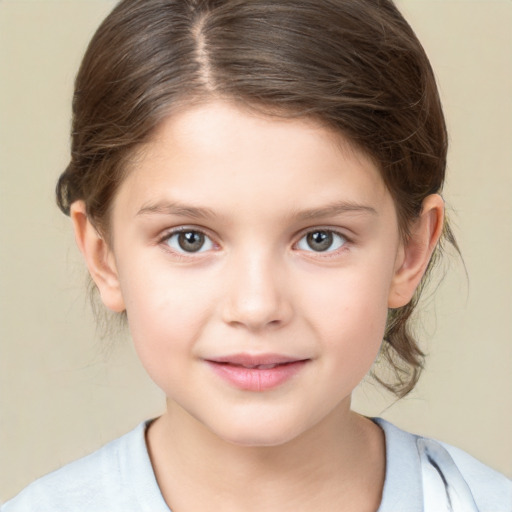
[355, 65]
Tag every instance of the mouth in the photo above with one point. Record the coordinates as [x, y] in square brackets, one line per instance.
[256, 372]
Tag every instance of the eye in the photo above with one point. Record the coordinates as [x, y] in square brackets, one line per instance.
[189, 240]
[321, 240]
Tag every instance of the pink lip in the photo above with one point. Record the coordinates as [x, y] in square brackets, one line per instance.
[256, 372]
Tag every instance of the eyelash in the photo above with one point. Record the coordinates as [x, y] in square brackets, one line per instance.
[328, 253]
[183, 254]
[164, 241]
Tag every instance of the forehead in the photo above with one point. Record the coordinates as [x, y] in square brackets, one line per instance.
[221, 156]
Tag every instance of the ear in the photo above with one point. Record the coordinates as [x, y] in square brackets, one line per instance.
[98, 257]
[414, 254]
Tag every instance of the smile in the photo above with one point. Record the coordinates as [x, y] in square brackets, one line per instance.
[256, 373]
[258, 366]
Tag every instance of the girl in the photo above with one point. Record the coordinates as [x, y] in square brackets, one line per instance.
[255, 186]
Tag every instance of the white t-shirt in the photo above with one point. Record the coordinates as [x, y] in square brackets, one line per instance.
[422, 475]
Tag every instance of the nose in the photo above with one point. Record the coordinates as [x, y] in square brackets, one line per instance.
[257, 295]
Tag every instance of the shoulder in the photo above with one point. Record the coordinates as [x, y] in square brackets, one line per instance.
[440, 476]
[97, 482]
[491, 489]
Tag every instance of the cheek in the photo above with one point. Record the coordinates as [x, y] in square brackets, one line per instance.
[166, 313]
[158, 296]
[349, 311]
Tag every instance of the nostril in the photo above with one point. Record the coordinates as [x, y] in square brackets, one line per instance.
[256, 297]
[256, 319]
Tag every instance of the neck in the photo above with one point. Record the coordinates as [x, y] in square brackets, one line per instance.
[337, 465]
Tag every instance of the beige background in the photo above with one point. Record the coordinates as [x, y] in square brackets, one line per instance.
[61, 396]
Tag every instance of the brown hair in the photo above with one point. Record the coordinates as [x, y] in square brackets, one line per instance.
[355, 65]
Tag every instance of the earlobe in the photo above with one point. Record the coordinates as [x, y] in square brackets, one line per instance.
[98, 257]
[414, 255]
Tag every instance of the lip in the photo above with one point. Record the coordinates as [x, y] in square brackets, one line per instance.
[260, 372]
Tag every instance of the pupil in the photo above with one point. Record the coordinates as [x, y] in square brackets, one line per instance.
[320, 240]
[191, 241]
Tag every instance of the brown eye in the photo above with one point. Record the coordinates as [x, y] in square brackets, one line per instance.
[189, 241]
[321, 240]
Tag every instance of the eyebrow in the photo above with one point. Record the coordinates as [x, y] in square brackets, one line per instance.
[331, 210]
[172, 208]
[182, 210]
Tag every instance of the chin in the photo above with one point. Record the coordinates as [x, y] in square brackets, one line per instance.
[258, 441]
[256, 434]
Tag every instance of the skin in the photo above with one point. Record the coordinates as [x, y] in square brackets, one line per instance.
[256, 186]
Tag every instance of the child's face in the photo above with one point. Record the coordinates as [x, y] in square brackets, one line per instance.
[240, 236]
